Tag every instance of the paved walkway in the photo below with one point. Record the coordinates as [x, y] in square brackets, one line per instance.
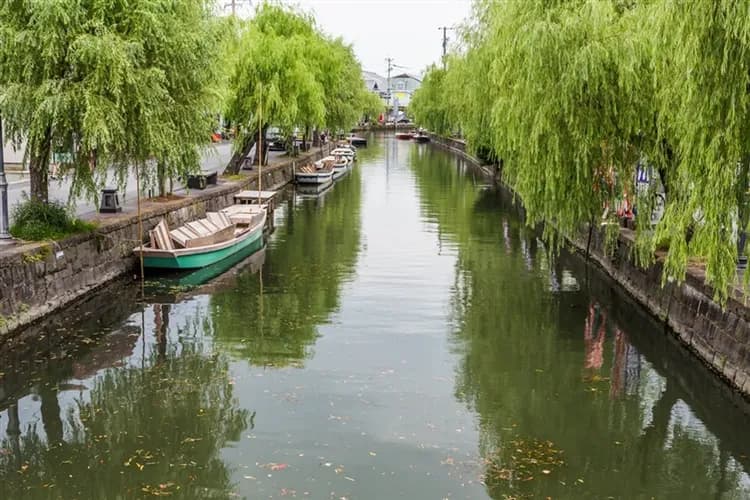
[215, 158]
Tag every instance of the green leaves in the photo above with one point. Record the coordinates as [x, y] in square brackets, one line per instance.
[301, 76]
[572, 94]
[110, 83]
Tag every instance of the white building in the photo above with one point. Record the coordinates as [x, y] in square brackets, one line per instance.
[402, 87]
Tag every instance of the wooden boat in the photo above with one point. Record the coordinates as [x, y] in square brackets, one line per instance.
[357, 141]
[309, 174]
[201, 243]
[421, 137]
[340, 166]
[345, 152]
[404, 136]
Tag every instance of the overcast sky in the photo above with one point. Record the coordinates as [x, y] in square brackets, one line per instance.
[406, 30]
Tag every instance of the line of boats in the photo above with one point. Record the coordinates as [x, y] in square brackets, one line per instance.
[324, 171]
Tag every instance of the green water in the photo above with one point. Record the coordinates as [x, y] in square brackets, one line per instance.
[401, 336]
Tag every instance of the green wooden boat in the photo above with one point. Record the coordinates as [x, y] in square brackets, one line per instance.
[201, 256]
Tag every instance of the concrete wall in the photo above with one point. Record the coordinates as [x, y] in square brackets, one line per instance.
[38, 278]
[719, 337]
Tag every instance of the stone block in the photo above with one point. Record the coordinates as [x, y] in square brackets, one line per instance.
[740, 377]
[729, 370]
[741, 331]
[728, 347]
[703, 349]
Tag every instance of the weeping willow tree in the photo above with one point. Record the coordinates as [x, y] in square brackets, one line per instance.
[429, 104]
[574, 94]
[469, 83]
[574, 100]
[107, 84]
[295, 76]
[703, 76]
[346, 97]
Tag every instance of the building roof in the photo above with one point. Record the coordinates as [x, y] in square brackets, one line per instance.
[373, 79]
[407, 75]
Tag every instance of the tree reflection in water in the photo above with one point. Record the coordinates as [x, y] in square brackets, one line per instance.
[271, 318]
[156, 429]
[525, 332]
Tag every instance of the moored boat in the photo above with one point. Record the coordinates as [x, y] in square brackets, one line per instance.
[404, 136]
[421, 137]
[345, 152]
[357, 141]
[201, 243]
[339, 164]
[310, 174]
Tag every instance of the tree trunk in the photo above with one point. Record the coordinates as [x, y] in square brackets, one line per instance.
[304, 138]
[161, 178]
[161, 322]
[53, 425]
[238, 158]
[39, 169]
[264, 147]
[316, 138]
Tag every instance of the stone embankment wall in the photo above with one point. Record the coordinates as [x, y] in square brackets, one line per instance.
[458, 147]
[720, 337]
[38, 278]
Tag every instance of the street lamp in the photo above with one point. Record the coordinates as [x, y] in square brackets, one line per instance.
[4, 234]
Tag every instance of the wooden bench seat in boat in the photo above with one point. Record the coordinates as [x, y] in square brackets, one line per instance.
[159, 236]
[219, 219]
[242, 214]
[193, 234]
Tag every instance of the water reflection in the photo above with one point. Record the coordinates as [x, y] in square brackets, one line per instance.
[569, 402]
[140, 422]
[271, 318]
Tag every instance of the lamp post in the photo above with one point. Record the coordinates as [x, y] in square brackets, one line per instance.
[4, 234]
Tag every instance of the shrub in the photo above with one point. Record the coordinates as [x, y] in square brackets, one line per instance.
[35, 220]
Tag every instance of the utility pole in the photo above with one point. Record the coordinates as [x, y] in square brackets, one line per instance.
[445, 41]
[389, 60]
[233, 4]
[4, 234]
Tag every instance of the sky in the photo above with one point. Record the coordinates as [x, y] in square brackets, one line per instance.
[406, 30]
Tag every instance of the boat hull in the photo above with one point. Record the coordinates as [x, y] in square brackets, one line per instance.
[201, 259]
[339, 172]
[315, 178]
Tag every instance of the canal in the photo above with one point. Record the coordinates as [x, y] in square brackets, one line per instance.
[402, 335]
